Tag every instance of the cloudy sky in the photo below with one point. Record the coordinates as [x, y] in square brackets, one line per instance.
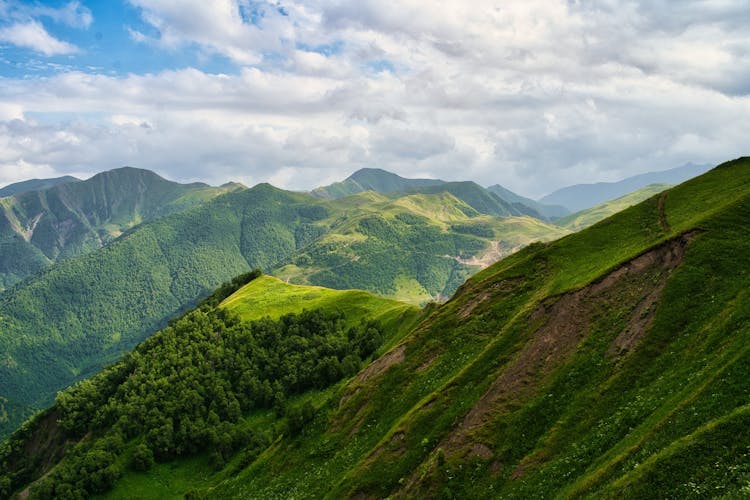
[531, 94]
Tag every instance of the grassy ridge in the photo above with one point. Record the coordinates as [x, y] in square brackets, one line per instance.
[270, 297]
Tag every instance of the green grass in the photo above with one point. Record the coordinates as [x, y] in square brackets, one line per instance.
[267, 296]
[663, 417]
[590, 216]
[588, 424]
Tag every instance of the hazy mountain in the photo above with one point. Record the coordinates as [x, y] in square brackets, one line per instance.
[582, 196]
[549, 211]
[35, 185]
[71, 218]
[611, 363]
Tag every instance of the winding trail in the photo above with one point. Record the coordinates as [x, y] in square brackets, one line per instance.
[663, 214]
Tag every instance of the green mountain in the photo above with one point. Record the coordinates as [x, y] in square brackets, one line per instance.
[37, 228]
[65, 323]
[590, 216]
[372, 179]
[35, 185]
[551, 212]
[481, 199]
[611, 363]
[494, 200]
[416, 247]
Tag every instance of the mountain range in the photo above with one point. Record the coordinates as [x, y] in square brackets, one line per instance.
[609, 363]
[582, 196]
[87, 309]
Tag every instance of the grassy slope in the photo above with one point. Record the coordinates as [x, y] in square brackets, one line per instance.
[270, 297]
[590, 216]
[666, 418]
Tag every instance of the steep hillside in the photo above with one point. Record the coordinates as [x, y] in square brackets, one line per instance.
[590, 216]
[40, 227]
[611, 363]
[582, 196]
[67, 322]
[481, 199]
[372, 179]
[35, 185]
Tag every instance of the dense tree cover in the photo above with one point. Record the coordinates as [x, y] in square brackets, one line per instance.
[185, 390]
[60, 220]
[425, 253]
[482, 230]
[85, 311]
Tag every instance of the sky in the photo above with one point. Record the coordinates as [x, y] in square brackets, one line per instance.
[531, 94]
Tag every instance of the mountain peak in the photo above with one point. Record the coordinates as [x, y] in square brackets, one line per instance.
[372, 179]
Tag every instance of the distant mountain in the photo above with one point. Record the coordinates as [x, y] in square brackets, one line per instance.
[590, 216]
[581, 196]
[35, 185]
[372, 179]
[480, 199]
[612, 363]
[38, 227]
[65, 323]
[549, 211]
[496, 201]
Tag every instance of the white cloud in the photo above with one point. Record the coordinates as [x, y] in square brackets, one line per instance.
[530, 94]
[219, 26]
[72, 14]
[32, 35]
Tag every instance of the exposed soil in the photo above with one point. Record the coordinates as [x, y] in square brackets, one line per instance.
[494, 253]
[377, 367]
[507, 285]
[380, 365]
[568, 321]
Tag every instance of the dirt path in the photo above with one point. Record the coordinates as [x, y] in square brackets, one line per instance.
[663, 214]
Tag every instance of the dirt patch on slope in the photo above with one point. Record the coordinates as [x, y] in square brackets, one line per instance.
[566, 322]
[508, 285]
[376, 368]
[380, 365]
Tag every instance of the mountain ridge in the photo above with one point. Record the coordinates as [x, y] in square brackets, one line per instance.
[39, 227]
[35, 185]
